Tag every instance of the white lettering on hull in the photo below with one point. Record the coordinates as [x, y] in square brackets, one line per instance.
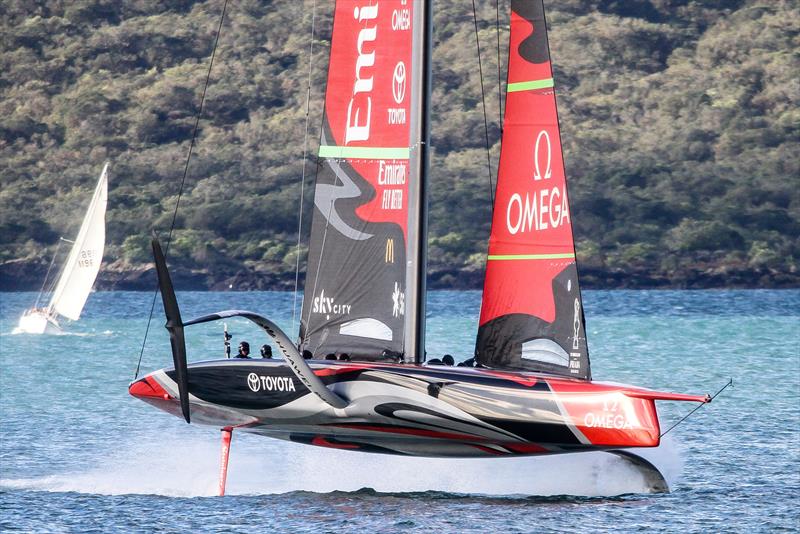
[258, 383]
[606, 420]
[609, 418]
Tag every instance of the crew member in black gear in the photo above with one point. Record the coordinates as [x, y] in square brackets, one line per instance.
[266, 352]
[244, 350]
[447, 359]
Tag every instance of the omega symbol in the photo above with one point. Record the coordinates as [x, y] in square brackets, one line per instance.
[547, 173]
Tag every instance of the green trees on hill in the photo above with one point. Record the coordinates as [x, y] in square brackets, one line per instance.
[679, 120]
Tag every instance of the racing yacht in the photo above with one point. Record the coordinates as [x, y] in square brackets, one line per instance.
[529, 390]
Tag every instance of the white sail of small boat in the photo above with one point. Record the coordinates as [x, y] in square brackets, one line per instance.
[79, 270]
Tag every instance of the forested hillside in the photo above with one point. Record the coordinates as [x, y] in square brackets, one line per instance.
[679, 120]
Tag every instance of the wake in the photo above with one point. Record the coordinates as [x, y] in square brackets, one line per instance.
[189, 468]
[18, 332]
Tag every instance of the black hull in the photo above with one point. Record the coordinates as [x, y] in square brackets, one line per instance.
[413, 410]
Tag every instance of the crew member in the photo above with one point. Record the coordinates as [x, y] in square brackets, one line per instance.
[244, 350]
[266, 352]
[447, 359]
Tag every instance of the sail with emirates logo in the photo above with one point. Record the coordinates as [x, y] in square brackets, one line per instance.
[366, 201]
[532, 313]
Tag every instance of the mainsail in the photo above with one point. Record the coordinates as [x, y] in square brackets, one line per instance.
[532, 312]
[83, 262]
[366, 201]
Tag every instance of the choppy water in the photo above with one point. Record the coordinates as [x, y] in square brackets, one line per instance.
[77, 454]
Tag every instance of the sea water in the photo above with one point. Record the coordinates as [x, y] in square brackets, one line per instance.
[78, 454]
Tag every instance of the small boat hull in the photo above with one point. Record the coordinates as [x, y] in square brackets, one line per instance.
[432, 411]
[37, 322]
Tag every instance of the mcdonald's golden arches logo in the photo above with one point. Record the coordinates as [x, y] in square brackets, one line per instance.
[389, 250]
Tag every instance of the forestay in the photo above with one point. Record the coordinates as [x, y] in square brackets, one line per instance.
[355, 290]
[532, 312]
[83, 262]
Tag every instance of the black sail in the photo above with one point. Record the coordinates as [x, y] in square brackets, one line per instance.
[356, 281]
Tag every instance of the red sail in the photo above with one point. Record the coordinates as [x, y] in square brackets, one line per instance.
[355, 285]
[532, 313]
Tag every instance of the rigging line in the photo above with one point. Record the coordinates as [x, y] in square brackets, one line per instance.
[183, 179]
[499, 77]
[685, 417]
[47, 275]
[52, 285]
[303, 177]
[318, 162]
[324, 237]
[483, 99]
[564, 168]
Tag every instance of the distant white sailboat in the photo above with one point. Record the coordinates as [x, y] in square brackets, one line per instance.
[78, 272]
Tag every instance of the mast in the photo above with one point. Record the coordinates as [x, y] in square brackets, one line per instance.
[416, 268]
